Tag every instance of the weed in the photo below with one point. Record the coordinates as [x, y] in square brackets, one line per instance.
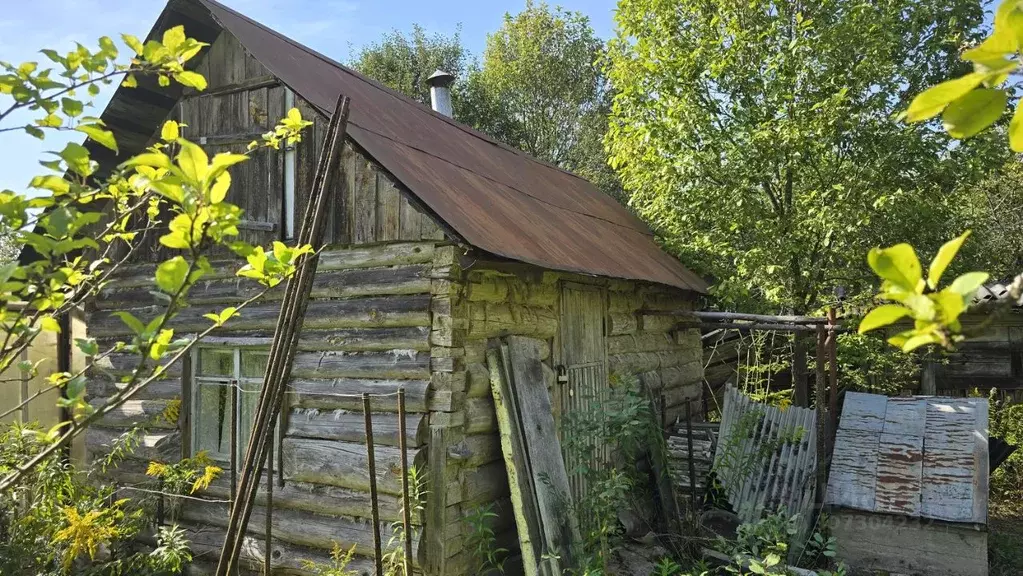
[482, 541]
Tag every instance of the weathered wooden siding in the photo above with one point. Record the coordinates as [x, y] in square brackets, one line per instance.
[472, 306]
[367, 330]
[243, 101]
[992, 359]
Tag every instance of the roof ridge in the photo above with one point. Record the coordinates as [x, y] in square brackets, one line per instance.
[392, 92]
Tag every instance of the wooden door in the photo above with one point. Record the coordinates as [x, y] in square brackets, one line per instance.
[582, 380]
[227, 122]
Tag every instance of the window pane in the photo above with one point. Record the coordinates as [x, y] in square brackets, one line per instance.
[216, 362]
[213, 420]
[248, 399]
[254, 363]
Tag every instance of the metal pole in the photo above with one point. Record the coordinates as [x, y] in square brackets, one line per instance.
[833, 373]
[269, 509]
[821, 390]
[692, 465]
[377, 554]
[234, 440]
[406, 504]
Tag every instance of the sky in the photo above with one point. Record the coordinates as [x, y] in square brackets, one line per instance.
[334, 27]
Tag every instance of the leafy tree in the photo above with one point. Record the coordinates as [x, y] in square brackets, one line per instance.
[539, 87]
[404, 62]
[758, 136]
[74, 250]
[543, 66]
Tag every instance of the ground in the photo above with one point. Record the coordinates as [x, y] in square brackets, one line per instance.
[1005, 539]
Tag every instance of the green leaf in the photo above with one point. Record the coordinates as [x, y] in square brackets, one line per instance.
[130, 81]
[973, 112]
[968, 283]
[130, 321]
[932, 101]
[883, 316]
[193, 161]
[77, 158]
[174, 37]
[132, 42]
[1016, 129]
[33, 131]
[71, 107]
[918, 340]
[219, 189]
[171, 274]
[153, 159]
[191, 79]
[943, 258]
[49, 324]
[99, 135]
[898, 265]
[88, 346]
[998, 45]
[950, 304]
[170, 131]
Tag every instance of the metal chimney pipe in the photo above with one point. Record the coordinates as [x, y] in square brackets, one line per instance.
[440, 92]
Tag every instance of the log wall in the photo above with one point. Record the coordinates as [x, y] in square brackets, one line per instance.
[484, 304]
[367, 330]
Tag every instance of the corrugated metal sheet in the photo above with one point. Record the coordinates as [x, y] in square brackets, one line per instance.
[923, 457]
[766, 458]
[496, 198]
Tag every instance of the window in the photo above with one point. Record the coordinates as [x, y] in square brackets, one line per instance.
[216, 371]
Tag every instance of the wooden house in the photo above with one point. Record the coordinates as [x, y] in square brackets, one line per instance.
[908, 487]
[992, 358]
[439, 239]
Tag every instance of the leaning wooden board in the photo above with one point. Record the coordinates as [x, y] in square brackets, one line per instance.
[544, 514]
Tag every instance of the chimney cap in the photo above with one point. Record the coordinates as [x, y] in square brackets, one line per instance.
[440, 79]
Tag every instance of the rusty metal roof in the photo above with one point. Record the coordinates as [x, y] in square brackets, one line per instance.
[493, 196]
[923, 457]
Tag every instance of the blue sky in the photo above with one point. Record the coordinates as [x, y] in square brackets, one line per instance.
[333, 27]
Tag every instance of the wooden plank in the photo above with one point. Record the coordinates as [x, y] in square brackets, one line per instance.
[250, 83]
[387, 210]
[523, 499]
[365, 202]
[205, 545]
[410, 223]
[560, 532]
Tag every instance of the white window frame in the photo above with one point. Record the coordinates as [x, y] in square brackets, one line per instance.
[236, 347]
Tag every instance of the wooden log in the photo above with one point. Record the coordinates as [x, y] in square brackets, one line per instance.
[206, 543]
[409, 279]
[162, 445]
[478, 449]
[291, 526]
[480, 416]
[398, 364]
[482, 485]
[350, 426]
[133, 412]
[395, 254]
[478, 381]
[346, 394]
[341, 464]
[100, 386]
[327, 500]
[488, 320]
[406, 310]
[337, 339]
